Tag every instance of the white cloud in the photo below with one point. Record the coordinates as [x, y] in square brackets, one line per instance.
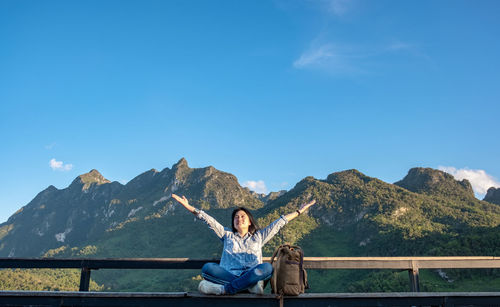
[478, 178]
[331, 58]
[409, 49]
[339, 7]
[335, 8]
[59, 165]
[351, 59]
[50, 146]
[315, 56]
[397, 45]
[256, 186]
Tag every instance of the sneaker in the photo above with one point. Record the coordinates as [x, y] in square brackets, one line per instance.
[257, 288]
[207, 287]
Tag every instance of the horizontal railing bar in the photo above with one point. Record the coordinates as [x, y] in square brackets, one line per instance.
[107, 263]
[405, 263]
[403, 258]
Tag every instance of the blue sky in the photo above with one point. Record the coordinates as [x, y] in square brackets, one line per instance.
[271, 91]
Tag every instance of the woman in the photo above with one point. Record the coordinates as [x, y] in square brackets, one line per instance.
[241, 264]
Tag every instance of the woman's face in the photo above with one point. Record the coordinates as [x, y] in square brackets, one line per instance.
[241, 221]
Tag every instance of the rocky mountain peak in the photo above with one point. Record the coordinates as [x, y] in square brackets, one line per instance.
[182, 163]
[352, 176]
[92, 177]
[50, 188]
[181, 170]
[432, 181]
[266, 198]
[493, 196]
[143, 179]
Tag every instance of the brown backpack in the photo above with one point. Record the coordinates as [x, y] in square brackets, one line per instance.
[289, 276]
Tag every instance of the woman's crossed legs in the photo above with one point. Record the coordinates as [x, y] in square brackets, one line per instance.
[233, 283]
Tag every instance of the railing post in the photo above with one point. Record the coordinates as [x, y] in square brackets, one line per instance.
[414, 280]
[85, 279]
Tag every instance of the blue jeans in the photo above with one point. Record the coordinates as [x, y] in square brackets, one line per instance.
[234, 283]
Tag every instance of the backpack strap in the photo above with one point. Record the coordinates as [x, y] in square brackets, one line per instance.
[275, 253]
[273, 278]
[280, 297]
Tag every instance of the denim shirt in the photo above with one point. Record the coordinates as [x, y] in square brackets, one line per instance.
[241, 253]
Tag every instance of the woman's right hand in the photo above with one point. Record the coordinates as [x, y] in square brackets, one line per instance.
[183, 201]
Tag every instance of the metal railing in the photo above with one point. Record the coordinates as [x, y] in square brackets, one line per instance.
[411, 264]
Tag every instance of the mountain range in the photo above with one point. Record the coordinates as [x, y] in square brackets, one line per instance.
[428, 212]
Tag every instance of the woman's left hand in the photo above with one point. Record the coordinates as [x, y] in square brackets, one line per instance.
[306, 206]
[298, 212]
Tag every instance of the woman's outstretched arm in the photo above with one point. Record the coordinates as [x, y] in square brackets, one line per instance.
[183, 201]
[270, 231]
[301, 210]
[211, 222]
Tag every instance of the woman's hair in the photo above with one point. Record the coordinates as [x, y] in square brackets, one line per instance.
[253, 225]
